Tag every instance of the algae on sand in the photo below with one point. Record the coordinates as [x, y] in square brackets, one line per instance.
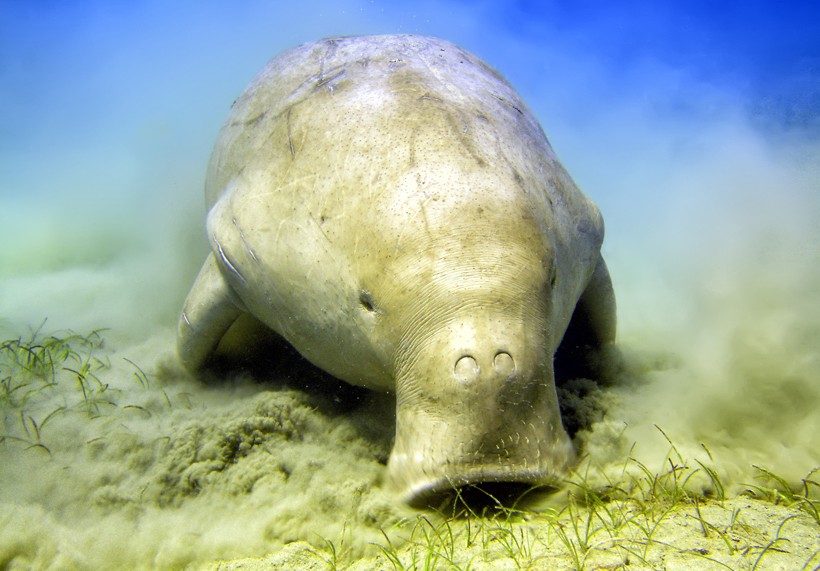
[165, 472]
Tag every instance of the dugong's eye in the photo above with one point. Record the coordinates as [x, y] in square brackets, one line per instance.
[366, 301]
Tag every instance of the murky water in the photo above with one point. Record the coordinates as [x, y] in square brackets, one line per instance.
[112, 456]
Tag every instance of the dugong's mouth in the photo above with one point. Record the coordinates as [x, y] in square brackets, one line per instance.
[497, 484]
[432, 458]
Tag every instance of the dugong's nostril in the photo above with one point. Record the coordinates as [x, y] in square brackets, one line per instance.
[466, 368]
[504, 363]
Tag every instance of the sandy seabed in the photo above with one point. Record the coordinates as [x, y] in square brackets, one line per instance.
[139, 466]
[735, 534]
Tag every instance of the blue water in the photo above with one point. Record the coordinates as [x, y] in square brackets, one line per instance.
[695, 129]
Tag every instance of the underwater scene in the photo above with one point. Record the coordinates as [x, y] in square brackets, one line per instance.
[694, 128]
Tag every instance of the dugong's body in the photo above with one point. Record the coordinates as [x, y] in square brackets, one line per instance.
[391, 208]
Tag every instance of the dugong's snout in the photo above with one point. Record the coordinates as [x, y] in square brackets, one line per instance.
[475, 410]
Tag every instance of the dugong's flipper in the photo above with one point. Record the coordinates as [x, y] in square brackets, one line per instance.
[597, 305]
[210, 310]
[592, 327]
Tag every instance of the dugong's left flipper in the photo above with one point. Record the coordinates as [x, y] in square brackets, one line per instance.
[597, 306]
[210, 310]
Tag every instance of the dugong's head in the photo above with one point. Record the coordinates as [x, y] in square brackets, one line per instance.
[473, 311]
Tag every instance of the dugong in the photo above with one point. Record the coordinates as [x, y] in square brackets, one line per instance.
[391, 208]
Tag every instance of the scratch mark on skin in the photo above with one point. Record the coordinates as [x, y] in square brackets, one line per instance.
[508, 102]
[292, 184]
[186, 320]
[324, 79]
[228, 263]
[279, 229]
[245, 242]
[321, 229]
[313, 85]
[458, 123]
[290, 135]
[250, 122]
[349, 154]
[433, 71]
[305, 90]
[422, 205]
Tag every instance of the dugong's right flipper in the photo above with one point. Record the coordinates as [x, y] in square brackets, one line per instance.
[210, 310]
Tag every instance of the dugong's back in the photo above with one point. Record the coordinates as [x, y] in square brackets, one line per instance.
[383, 98]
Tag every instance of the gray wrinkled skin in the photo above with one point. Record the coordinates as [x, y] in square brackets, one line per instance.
[390, 207]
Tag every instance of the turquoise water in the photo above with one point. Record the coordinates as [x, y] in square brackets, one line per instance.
[701, 150]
